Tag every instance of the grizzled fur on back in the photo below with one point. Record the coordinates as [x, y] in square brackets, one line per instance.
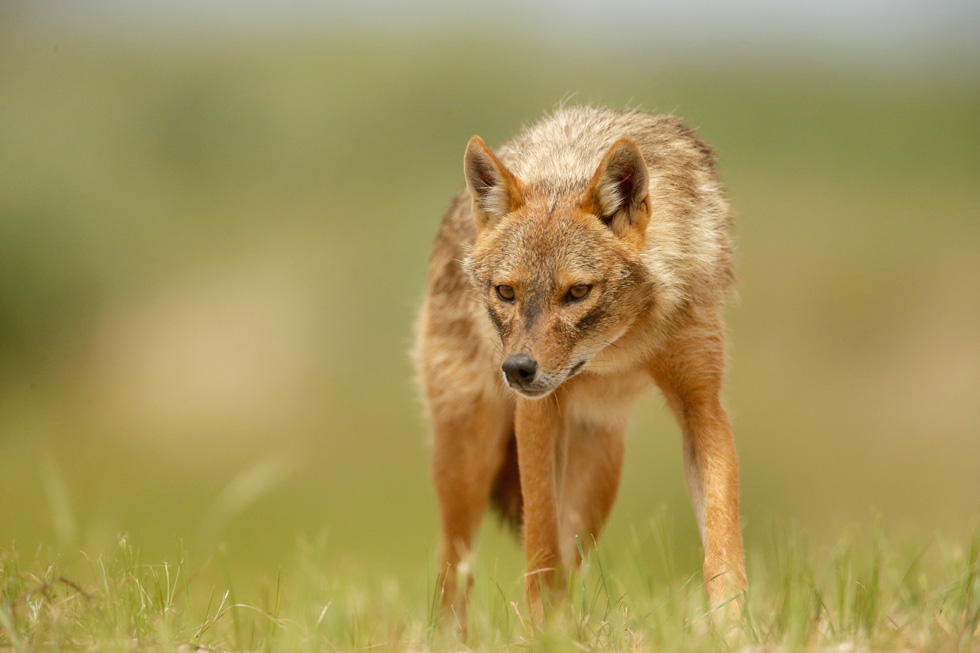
[689, 250]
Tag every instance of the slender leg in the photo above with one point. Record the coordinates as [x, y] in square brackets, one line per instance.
[690, 378]
[540, 441]
[591, 481]
[468, 450]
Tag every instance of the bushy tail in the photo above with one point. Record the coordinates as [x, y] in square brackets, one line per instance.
[505, 497]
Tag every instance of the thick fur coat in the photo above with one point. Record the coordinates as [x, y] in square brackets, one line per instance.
[586, 260]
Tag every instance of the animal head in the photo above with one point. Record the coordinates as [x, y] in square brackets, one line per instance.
[560, 270]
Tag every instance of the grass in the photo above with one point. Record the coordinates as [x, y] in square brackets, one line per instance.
[865, 593]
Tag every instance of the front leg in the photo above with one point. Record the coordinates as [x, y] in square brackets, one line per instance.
[540, 441]
[690, 378]
[711, 471]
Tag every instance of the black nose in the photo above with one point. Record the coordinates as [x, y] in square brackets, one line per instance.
[519, 369]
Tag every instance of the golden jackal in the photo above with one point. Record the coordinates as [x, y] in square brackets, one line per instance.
[587, 259]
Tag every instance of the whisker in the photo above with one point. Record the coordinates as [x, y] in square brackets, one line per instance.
[554, 396]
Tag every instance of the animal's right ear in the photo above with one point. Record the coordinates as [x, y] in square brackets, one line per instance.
[495, 190]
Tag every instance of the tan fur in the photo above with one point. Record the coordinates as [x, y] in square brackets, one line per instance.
[628, 204]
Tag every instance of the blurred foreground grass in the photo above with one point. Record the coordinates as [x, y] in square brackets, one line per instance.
[862, 594]
[210, 257]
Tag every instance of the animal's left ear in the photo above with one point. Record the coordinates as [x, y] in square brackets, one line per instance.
[619, 190]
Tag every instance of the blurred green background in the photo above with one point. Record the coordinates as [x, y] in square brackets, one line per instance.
[214, 228]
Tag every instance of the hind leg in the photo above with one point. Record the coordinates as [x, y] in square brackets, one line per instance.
[591, 481]
[468, 450]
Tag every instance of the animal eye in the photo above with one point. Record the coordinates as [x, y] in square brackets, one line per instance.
[506, 293]
[581, 291]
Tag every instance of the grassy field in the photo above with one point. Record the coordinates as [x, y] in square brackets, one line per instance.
[862, 594]
[211, 251]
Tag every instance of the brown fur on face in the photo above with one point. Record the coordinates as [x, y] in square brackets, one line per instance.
[627, 206]
[542, 250]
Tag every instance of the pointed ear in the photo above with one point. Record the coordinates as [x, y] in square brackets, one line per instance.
[618, 192]
[496, 192]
